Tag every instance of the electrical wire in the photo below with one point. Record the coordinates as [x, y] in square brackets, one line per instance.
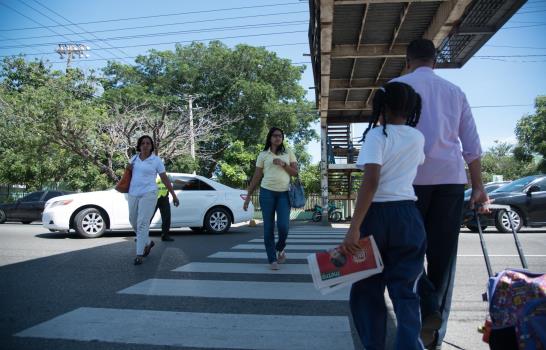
[186, 41]
[162, 25]
[204, 30]
[162, 15]
[31, 19]
[66, 19]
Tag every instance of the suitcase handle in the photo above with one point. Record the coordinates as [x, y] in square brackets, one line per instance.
[498, 207]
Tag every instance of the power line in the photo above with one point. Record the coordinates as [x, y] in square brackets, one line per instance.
[164, 15]
[527, 26]
[66, 19]
[162, 25]
[127, 57]
[55, 21]
[187, 41]
[204, 30]
[512, 61]
[505, 56]
[525, 12]
[517, 47]
[31, 19]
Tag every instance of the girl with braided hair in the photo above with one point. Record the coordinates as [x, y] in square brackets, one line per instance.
[392, 149]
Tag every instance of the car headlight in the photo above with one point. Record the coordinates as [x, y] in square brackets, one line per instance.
[61, 202]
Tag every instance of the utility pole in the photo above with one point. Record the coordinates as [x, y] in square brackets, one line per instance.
[192, 136]
[70, 50]
[192, 133]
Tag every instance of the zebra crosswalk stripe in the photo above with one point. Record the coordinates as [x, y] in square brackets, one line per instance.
[301, 240]
[253, 255]
[312, 247]
[233, 289]
[286, 269]
[188, 329]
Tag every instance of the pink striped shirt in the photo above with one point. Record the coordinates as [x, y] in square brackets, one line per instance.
[446, 122]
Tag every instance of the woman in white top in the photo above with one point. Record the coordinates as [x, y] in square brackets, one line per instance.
[143, 193]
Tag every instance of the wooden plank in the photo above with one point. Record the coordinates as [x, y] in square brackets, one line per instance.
[446, 17]
[363, 2]
[368, 51]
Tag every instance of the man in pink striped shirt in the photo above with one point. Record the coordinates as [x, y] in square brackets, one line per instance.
[451, 140]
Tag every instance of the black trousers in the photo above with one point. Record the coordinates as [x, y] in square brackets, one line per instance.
[165, 210]
[441, 207]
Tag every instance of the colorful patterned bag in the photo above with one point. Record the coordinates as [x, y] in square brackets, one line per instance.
[517, 300]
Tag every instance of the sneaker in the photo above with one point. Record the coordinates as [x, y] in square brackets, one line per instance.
[281, 257]
[274, 266]
[429, 328]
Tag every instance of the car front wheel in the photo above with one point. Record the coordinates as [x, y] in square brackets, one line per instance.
[3, 216]
[503, 223]
[217, 220]
[90, 223]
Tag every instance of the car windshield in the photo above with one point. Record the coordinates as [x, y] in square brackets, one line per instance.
[516, 185]
[488, 188]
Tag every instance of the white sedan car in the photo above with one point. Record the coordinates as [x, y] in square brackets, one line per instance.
[205, 205]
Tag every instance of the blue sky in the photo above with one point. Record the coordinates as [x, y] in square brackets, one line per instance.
[515, 76]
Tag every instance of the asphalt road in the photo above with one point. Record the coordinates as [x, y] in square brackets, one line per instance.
[62, 292]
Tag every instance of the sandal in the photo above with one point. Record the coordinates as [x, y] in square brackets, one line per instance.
[138, 260]
[148, 248]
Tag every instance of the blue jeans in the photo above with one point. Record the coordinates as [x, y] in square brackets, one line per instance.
[273, 202]
[399, 232]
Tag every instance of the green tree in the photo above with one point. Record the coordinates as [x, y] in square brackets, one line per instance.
[531, 134]
[310, 178]
[250, 85]
[35, 105]
[237, 165]
[500, 160]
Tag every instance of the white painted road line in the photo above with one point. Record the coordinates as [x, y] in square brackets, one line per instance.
[302, 240]
[286, 269]
[338, 237]
[233, 289]
[312, 247]
[262, 255]
[502, 255]
[254, 255]
[204, 330]
[335, 233]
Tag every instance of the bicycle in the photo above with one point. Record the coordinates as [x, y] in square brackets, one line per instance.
[334, 214]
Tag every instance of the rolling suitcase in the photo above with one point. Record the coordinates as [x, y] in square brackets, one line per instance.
[517, 302]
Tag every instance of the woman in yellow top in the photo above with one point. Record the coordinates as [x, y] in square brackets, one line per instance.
[274, 167]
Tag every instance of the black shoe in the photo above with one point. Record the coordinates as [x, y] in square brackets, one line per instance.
[138, 260]
[148, 248]
[431, 323]
[166, 238]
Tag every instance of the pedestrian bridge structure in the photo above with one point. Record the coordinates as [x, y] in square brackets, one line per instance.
[359, 45]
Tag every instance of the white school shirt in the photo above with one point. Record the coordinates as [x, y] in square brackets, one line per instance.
[399, 154]
[144, 174]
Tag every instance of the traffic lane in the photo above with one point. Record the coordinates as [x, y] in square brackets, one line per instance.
[42, 288]
[19, 244]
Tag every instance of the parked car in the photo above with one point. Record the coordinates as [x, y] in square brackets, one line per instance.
[205, 206]
[527, 200]
[28, 208]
